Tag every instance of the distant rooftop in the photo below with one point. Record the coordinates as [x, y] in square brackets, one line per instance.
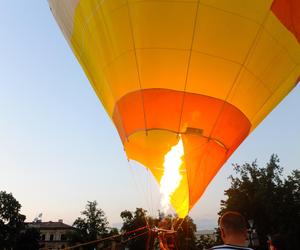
[49, 225]
[205, 232]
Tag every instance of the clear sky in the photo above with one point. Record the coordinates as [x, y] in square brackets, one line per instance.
[58, 148]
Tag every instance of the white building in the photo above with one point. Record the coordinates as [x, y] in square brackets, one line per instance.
[53, 234]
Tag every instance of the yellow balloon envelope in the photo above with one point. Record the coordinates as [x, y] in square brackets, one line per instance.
[208, 70]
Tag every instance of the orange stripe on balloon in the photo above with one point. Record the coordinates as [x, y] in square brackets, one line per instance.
[200, 113]
[288, 12]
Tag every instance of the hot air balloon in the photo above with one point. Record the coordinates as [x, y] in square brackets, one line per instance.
[197, 73]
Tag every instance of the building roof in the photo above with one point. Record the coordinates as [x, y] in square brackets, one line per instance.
[49, 225]
[205, 232]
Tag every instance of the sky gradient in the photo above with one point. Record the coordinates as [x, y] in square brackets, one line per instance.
[59, 149]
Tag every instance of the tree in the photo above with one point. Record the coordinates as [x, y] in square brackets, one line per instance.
[92, 226]
[28, 239]
[11, 221]
[134, 221]
[262, 194]
[13, 231]
[185, 236]
[204, 242]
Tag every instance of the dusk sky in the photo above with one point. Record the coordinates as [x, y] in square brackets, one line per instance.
[58, 147]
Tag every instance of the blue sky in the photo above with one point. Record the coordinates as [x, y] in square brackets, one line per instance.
[58, 148]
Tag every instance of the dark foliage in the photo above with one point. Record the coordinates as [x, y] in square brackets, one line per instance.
[185, 237]
[133, 221]
[28, 240]
[13, 231]
[90, 227]
[205, 242]
[273, 202]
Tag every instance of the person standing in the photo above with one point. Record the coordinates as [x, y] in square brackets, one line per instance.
[233, 230]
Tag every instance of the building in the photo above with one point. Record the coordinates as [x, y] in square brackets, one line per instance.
[53, 234]
[207, 233]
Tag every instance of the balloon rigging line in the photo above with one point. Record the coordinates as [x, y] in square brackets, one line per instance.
[141, 191]
[136, 236]
[148, 191]
[124, 241]
[108, 238]
[90, 242]
[151, 194]
[180, 224]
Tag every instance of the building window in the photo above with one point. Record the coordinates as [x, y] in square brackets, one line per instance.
[43, 237]
[51, 237]
[63, 237]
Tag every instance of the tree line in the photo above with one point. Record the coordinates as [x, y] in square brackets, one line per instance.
[268, 199]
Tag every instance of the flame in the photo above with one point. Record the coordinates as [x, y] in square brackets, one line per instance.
[172, 176]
